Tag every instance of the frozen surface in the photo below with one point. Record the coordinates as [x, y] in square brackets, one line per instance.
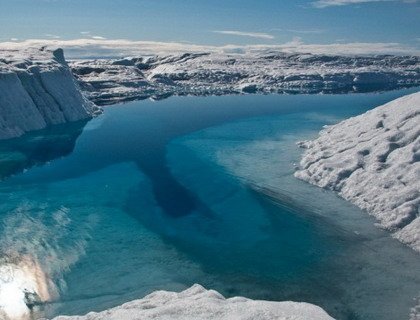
[107, 81]
[37, 89]
[372, 160]
[199, 303]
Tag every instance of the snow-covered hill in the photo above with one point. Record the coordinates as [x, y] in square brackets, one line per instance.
[37, 89]
[108, 81]
[199, 303]
[373, 160]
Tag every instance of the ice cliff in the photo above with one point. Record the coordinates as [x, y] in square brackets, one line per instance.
[37, 89]
[199, 303]
[107, 81]
[373, 160]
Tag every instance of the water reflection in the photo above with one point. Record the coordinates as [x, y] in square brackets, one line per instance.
[38, 147]
[236, 238]
[24, 283]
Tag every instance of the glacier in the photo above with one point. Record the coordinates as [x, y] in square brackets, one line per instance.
[373, 160]
[37, 89]
[40, 88]
[109, 81]
[199, 303]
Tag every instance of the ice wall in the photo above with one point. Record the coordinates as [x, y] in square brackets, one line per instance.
[37, 89]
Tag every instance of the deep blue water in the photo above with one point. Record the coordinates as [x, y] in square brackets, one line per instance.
[161, 195]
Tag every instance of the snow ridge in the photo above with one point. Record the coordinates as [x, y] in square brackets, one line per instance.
[199, 303]
[37, 89]
[373, 160]
[107, 81]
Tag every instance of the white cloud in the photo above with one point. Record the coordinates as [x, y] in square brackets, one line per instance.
[335, 3]
[52, 36]
[98, 38]
[307, 31]
[246, 34]
[82, 48]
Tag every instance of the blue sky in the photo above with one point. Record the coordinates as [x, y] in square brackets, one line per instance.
[215, 22]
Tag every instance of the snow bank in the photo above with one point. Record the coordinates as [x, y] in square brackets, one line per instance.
[108, 81]
[373, 160]
[37, 89]
[199, 303]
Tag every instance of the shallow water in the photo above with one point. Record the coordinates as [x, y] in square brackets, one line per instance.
[161, 195]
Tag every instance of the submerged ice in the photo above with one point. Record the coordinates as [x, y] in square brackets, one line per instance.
[373, 160]
[36, 250]
[254, 230]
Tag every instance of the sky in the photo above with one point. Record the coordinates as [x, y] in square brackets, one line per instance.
[390, 23]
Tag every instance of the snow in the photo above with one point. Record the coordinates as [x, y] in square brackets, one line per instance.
[37, 89]
[107, 81]
[199, 303]
[373, 160]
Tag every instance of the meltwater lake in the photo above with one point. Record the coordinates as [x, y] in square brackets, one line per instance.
[164, 194]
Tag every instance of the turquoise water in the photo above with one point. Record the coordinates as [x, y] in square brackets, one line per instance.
[161, 195]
